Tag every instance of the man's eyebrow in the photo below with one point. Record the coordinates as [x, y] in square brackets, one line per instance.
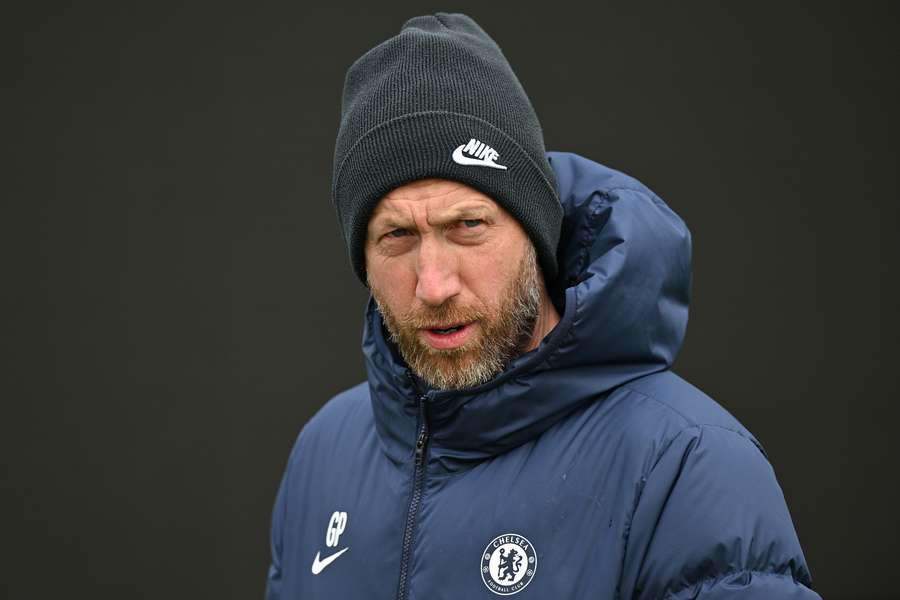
[462, 211]
[390, 220]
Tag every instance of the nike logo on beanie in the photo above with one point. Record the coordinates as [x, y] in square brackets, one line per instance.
[479, 154]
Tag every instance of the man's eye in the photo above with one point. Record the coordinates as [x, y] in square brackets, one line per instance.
[472, 222]
[396, 233]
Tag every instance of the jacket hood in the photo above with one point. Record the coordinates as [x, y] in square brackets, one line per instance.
[623, 289]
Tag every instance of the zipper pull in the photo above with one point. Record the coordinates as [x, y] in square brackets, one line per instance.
[422, 440]
[420, 444]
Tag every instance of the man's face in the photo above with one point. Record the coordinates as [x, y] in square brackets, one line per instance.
[455, 278]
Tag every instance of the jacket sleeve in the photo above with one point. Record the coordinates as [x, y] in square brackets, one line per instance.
[273, 578]
[711, 523]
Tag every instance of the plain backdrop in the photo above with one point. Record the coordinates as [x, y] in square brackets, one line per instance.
[177, 300]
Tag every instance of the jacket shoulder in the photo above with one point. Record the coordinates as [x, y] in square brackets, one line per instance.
[341, 406]
[644, 416]
[682, 405]
[344, 414]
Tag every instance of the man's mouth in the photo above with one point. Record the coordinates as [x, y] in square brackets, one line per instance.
[445, 337]
[447, 330]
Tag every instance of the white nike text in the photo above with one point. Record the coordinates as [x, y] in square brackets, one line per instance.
[476, 154]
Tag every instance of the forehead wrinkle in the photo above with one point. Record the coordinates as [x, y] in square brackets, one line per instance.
[404, 194]
[392, 211]
[401, 206]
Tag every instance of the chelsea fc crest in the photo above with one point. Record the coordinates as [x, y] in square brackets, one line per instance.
[508, 564]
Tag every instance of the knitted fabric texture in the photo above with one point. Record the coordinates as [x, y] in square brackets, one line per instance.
[438, 94]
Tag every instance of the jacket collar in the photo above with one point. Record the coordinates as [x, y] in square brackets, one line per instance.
[624, 286]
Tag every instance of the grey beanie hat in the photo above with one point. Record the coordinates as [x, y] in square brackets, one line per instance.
[440, 100]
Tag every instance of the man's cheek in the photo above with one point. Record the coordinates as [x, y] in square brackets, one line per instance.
[490, 284]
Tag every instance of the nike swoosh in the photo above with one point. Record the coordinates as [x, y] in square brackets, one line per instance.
[319, 565]
[462, 159]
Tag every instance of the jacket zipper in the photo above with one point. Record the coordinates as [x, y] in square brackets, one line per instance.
[414, 500]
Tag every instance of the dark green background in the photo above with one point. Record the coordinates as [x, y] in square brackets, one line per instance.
[177, 301]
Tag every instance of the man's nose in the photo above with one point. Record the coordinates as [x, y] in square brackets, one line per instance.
[437, 271]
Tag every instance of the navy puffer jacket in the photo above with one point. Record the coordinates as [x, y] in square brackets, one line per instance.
[587, 469]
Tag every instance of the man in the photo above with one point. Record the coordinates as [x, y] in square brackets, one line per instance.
[520, 431]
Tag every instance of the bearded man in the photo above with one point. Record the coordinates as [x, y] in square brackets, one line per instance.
[520, 430]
